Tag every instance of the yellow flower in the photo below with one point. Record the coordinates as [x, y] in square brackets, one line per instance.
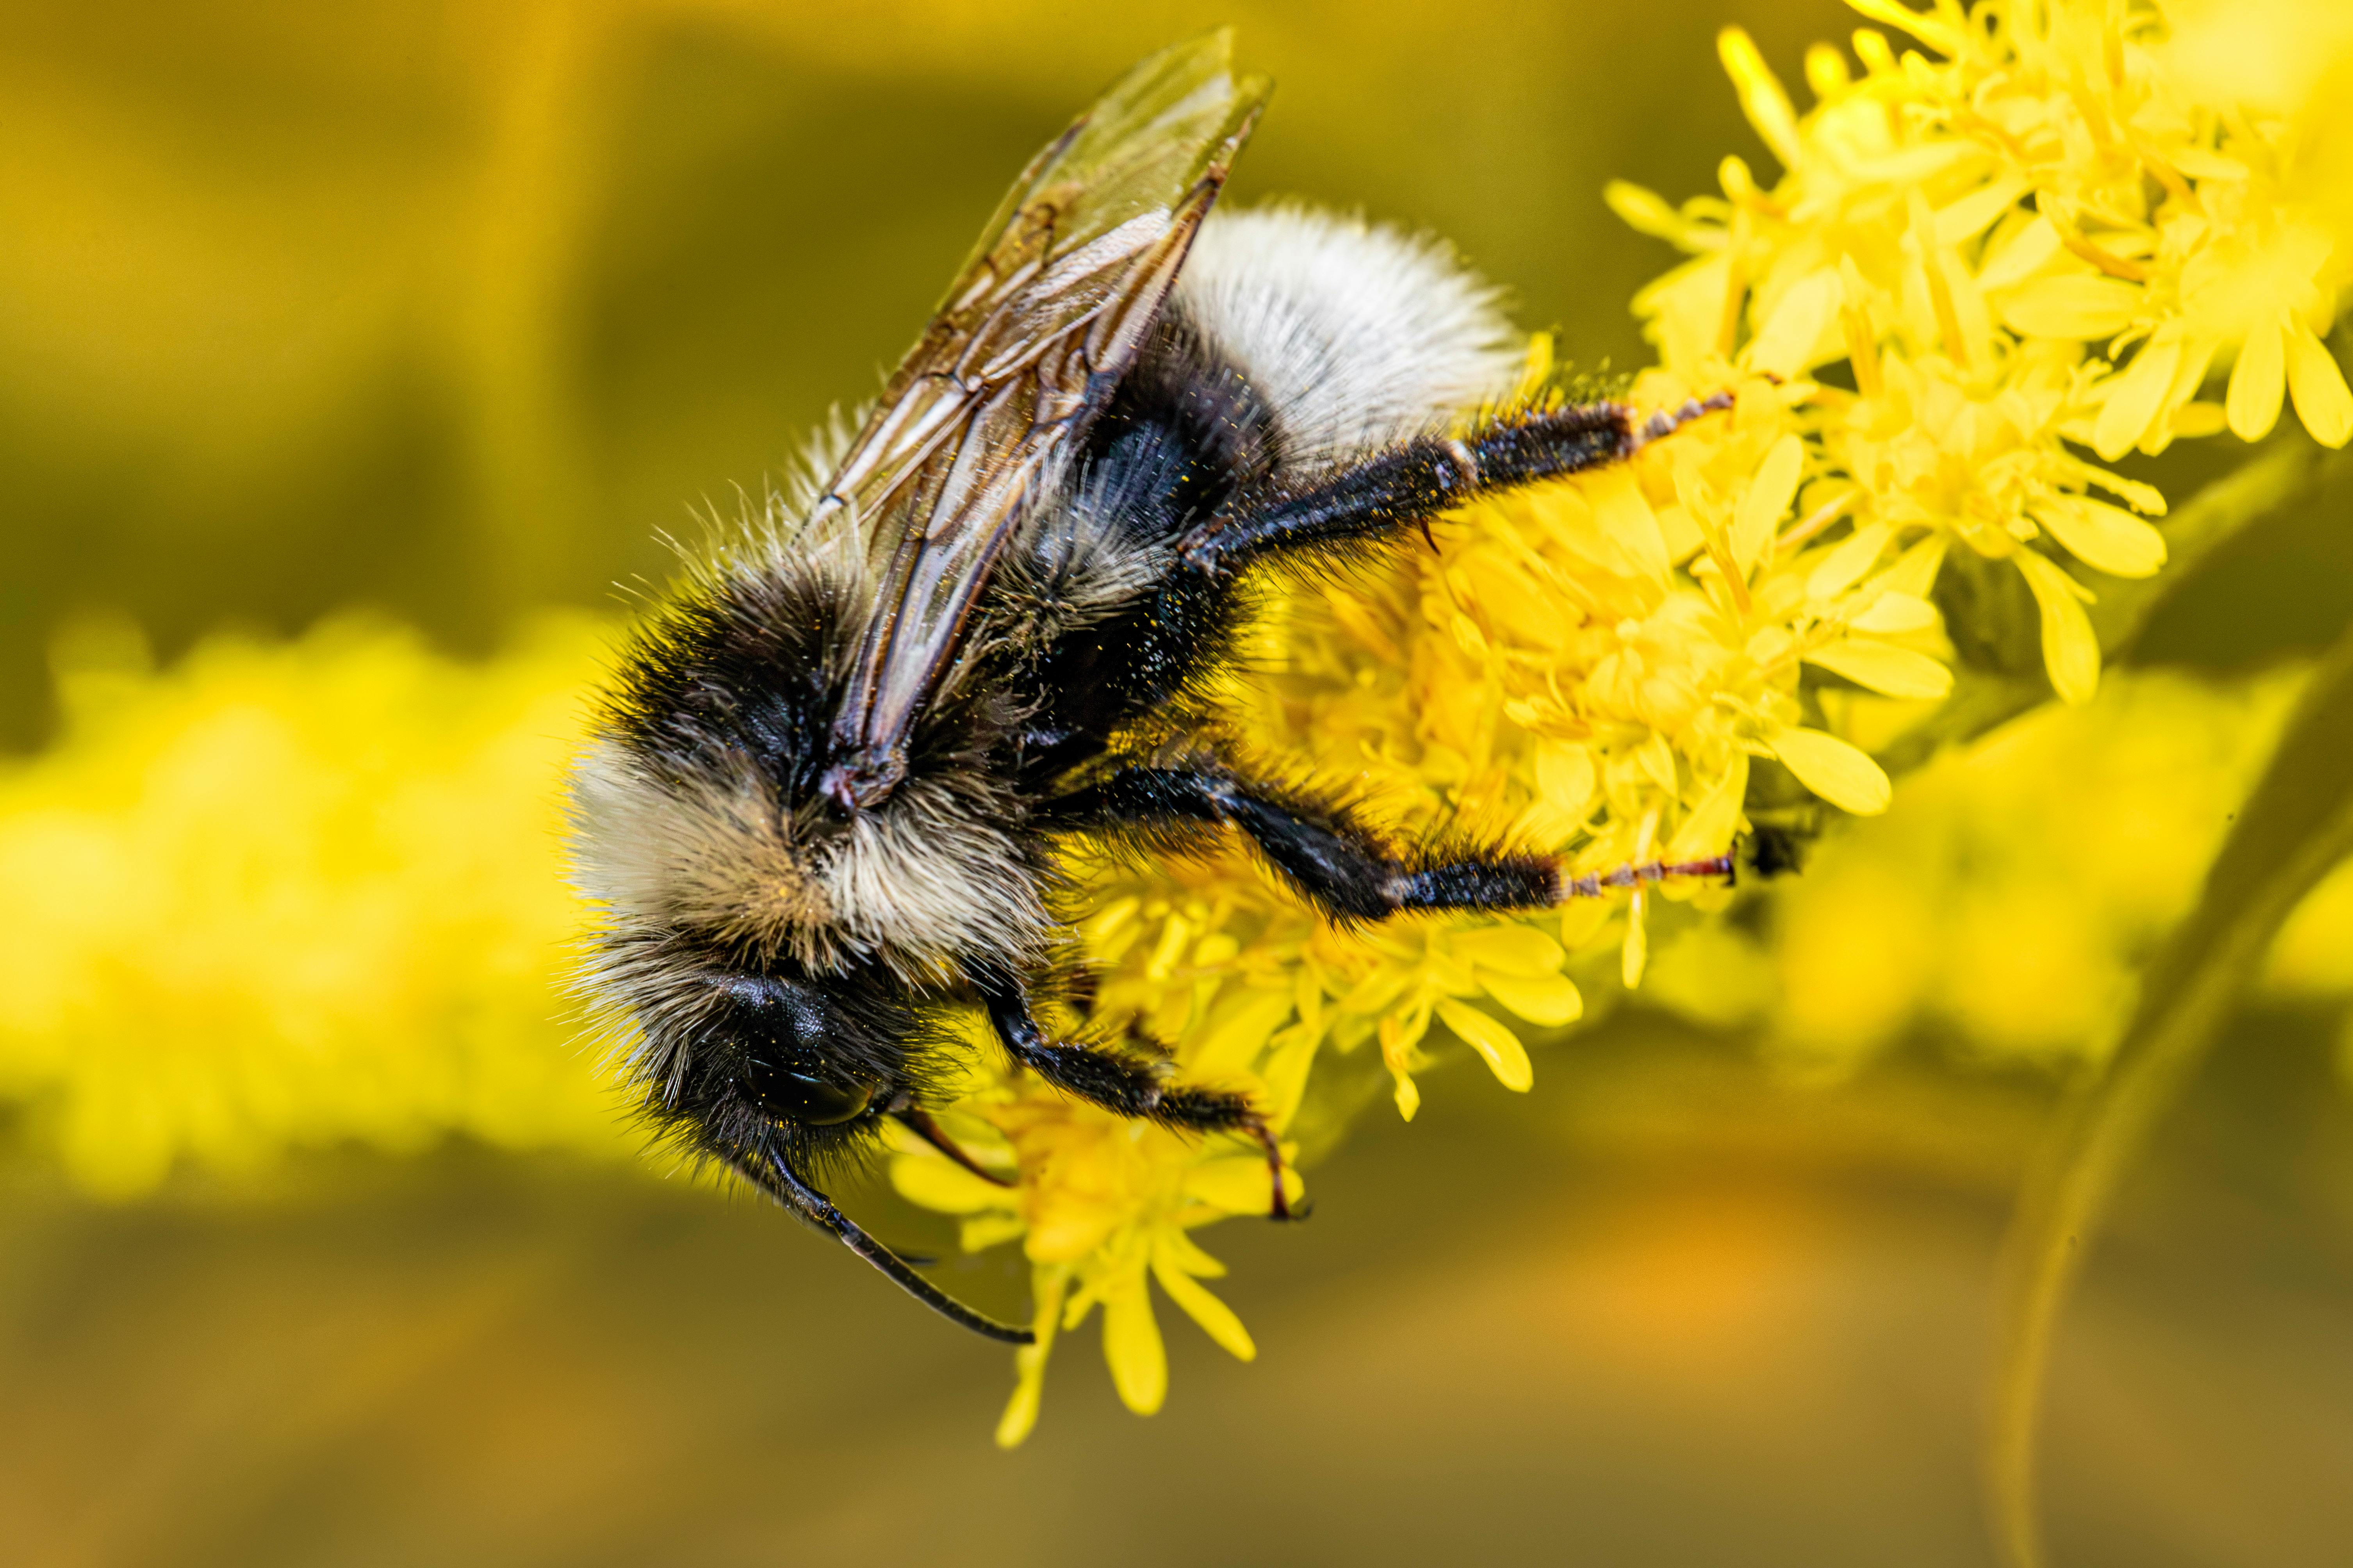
[1589, 668]
[1101, 1204]
[1976, 238]
[1594, 667]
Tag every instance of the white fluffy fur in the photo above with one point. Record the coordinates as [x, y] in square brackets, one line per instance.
[917, 884]
[1358, 336]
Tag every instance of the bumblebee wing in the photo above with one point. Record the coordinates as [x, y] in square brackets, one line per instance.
[1034, 336]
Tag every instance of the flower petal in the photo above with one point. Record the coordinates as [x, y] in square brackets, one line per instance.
[1761, 94]
[1216, 1319]
[2070, 652]
[1708, 828]
[1914, 572]
[1397, 1055]
[1551, 1000]
[1656, 757]
[2322, 400]
[1241, 1023]
[1515, 949]
[934, 1183]
[2084, 307]
[2135, 397]
[979, 1232]
[1565, 774]
[1798, 332]
[2201, 419]
[1833, 770]
[1021, 1417]
[1931, 28]
[1132, 1346]
[2259, 381]
[1646, 212]
[1893, 615]
[1238, 1183]
[1180, 1253]
[1766, 502]
[1626, 519]
[1047, 1282]
[2020, 254]
[1636, 952]
[1884, 668]
[1286, 1069]
[2103, 537]
[1375, 992]
[1960, 221]
[1843, 567]
[1506, 1057]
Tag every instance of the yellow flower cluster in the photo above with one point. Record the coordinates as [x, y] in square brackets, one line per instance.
[2045, 238]
[2040, 240]
[1557, 674]
[294, 895]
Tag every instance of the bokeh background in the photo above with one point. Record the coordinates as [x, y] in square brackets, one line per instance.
[441, 315]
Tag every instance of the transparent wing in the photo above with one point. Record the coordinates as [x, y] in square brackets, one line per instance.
[1034, 335]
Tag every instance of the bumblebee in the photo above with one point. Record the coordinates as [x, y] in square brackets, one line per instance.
[827, 782]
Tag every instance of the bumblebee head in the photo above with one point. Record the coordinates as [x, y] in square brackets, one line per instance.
[775, 1074]
[798, 1053]
[743, 1062]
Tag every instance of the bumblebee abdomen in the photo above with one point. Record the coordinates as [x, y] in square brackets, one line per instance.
[1355, 335]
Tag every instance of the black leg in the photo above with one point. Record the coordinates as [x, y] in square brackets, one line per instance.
[1405, 486]
[768, 1170]
[1338, 865]
[1119, 1082]
[922, 1125]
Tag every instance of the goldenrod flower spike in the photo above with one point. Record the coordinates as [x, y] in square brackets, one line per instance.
[295, 896]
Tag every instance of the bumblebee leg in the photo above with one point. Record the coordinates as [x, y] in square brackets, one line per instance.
[1343, 868]
[770, 1172]
[1405, 486]
[921, 1123]
[1121, 1083]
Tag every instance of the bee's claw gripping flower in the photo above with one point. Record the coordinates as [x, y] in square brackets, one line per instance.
[1279, 1205]
[1594, 884]
[1667, 421]
[926, 1126]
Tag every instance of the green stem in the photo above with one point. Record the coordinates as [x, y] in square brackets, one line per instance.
[2294, 829]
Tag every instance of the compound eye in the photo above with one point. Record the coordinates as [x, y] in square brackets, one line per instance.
[791, 1096]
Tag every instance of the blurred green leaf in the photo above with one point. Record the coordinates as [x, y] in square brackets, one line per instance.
[2292, 830]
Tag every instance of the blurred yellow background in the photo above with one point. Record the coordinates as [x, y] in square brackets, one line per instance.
[440, 315]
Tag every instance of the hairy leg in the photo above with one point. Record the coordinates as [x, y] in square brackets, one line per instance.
[768, 1169]
[1119, 1082]
[1341, 866]
[1404, 487]
[924, 1125]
